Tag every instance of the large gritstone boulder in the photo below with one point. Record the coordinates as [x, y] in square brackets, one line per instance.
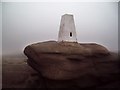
[65, 60]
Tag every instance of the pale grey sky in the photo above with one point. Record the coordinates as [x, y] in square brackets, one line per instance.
[119, 26]
[27, 23]
[0, 28]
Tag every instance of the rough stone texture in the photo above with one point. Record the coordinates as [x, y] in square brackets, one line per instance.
[64, 60]
[17, 75]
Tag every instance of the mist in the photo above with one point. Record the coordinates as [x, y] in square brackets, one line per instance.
[0, 29]
[118, 25]
[25, 23]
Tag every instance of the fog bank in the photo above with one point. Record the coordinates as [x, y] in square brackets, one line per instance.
[27, 23]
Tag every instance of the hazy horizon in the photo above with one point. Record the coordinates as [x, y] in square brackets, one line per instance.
[27, 23]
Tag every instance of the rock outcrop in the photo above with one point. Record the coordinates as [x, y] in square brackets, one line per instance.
[104, 73]
[64, 60]
[62, 65]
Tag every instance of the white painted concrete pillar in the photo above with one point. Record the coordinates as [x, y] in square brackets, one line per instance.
[67, 30]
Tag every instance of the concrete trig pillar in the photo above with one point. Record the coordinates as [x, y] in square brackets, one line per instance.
[67, 30]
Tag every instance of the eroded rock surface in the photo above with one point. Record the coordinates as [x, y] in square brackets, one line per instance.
[103, 73]
[65, 60]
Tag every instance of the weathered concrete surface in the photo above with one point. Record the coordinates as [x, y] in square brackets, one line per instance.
[67, 26]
